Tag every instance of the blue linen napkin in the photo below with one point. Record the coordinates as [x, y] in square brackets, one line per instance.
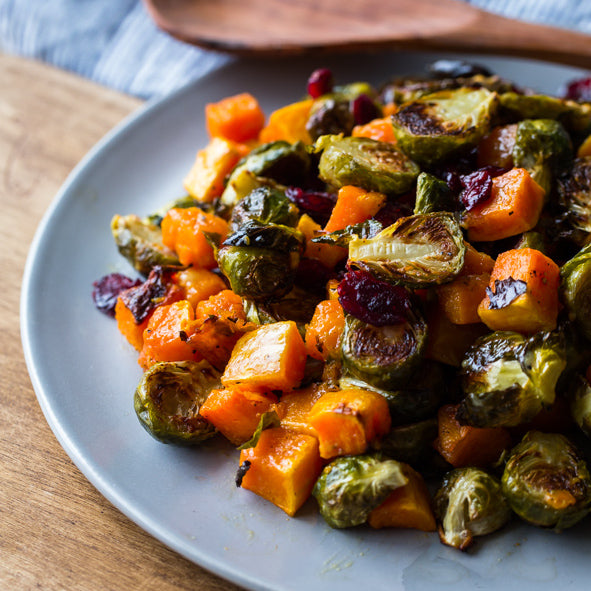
[115, 43]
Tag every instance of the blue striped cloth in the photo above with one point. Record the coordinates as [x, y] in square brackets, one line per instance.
[115, 43]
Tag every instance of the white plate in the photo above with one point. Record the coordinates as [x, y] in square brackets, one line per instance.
[84, 375]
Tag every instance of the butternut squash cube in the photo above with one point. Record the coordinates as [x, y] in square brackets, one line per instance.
[460, 298]
[294, 409]
[282, 468]
[271, 357]
[347, 421]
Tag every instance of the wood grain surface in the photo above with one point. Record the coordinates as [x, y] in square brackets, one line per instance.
[56, 531]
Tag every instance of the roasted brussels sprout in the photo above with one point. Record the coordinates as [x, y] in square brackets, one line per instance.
[265, 205]
[140, 242]
[575, 287]
[546, 481]
[543, 148]
[366, 163]
[574, 190]
[411, 444]
[433, 194]
[422, 250]
[439, 125]
[384, 356]
[169, 396]
[532, 239]
[508, 378]
[580, 403]
[260, 261]
[574, 116]
[350, 487]
[280, 161]
[469, 503]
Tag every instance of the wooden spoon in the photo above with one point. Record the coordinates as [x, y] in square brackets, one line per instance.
[272, 27]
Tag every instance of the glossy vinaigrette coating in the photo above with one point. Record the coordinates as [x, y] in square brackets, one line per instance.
[376, 293]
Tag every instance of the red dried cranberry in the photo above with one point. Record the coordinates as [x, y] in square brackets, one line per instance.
[372, 300]
[579, 90]
[106, 290]
[312, 275]
[364, 109]
[392, 212]
[320, 82]
[477, 188]
[317, 204]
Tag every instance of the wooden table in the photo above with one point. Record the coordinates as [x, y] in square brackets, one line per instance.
[56, 531]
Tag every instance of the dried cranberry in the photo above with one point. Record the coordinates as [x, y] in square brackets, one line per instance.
[320, 82]
[372, 300]
[364, 109]
[477, 188]
[312, 275]
[317, 204]
[392, 212]
[579, 90]
[452, 178]
[106, 290]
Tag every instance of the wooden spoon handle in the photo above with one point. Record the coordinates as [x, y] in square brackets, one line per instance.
[271, 27]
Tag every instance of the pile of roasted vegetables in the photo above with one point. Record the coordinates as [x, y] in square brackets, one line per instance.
[382, 297]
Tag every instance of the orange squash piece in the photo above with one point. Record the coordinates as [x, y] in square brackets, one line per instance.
[206, 179]
[183, 231]
[347, 421]
[514, 207]
[294, 408]
[353, 206]
[324, 332]
[328, 254]
[476, 262]
[238, 118]
[380, 129]
[408, 506]
[534, 310]
[288, 123]
[584, 149]
[282, 468]
[496, 149]
[271, 357]
[462, 445]
[236, 412]
[199, 284]
[460, 298]
[163, 337]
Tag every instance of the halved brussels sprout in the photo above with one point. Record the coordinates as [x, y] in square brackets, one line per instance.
[169, 396]
[575, 288]
[140, 242]
[508, 378]
[260, 261]
[580, 403]
[437, 126]
[574, 190]
[543, 148]
[350, 487]
[433, 194]
[280, 161]
[384, 356]
[574, 116]
[366, 163]
[265, 205]
[469, 503]
[422, 250]
[546, 481]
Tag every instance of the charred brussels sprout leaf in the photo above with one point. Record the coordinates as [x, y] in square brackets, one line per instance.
[260, 261]
[574, 190]
[367, 163]
[421, 250]
[140, 242]
[350, 487]
[433, 194]
[440, 125]
[543, 148]
[546, 481]
[265, 205]
[508, 378]
[580, 403]
[575, 276]
[280, 161]
[367, 229]
[469, 503]
[384, 356]
[168, 398]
